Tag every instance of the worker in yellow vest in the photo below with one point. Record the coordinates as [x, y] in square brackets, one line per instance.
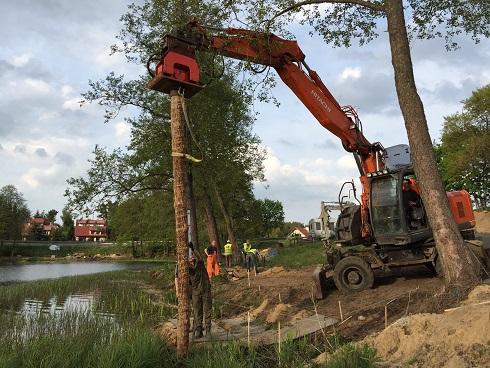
[249, 256]
[228, 252]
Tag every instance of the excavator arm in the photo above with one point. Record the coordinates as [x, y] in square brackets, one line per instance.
[178, 69]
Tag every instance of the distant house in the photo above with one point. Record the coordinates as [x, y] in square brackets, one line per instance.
[46, 227]
[299, 233]
[91, 230]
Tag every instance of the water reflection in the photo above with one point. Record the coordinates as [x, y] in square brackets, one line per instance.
[38, 271]
[58, 317]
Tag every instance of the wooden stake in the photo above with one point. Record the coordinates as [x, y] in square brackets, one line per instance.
[248, 276]
[279, 340]
[386, 316]
[177, 125]
[340, 310]
[280, 301]
[248, 329]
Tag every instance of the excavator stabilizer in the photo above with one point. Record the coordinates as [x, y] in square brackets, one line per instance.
[323, 281]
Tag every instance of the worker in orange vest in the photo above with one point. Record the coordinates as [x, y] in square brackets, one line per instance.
[212, 260]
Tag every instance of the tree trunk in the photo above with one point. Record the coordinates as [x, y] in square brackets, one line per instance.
[210, 220]
[179, 186]
[456, 259]
[228, 222]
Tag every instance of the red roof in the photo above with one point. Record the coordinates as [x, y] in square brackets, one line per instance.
[91, 228]
[302, 230]
[92, 222]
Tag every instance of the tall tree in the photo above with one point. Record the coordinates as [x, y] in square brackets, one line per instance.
[230, 156]
[464, 149]
[13, 213]
[51, 215]
[340, 22]
[271, 213]
[67, 226]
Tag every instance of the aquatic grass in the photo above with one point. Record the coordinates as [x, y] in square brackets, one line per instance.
[90, 345]
[13, 292]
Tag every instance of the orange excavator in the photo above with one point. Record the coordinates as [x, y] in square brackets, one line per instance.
[387, 227]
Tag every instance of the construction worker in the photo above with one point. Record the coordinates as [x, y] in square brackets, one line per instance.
[212, 259]
[249, 256]
[200, 294]
[228, 252]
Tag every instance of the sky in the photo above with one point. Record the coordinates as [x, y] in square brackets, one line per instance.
[50, 49]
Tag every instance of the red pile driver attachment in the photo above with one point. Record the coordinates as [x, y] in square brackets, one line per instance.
[177, 70]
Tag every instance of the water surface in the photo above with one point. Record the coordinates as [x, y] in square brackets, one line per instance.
[38, 271]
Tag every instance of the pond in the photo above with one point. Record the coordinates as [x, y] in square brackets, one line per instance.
[38, 271]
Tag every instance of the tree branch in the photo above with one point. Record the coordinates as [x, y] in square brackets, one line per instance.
[364, 3]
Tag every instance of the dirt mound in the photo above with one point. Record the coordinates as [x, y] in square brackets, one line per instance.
[482, 221]
[257, 311]
[278, 313]
[273, 270]
[457, 338]
[479, 294]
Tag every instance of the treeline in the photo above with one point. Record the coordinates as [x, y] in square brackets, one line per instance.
[16, 222]
[464, 150]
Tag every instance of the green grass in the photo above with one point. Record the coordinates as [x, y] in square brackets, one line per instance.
[299, 255]
[26, 250]
[350, 356]
[118, 331]
[120, 292]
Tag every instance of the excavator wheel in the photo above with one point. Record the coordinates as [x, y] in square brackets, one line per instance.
[353, 274]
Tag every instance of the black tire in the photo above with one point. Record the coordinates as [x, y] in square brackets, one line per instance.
[353, 274]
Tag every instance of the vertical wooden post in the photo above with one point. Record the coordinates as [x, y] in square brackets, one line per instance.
[177, 125]
[386, 315]
[248, 329]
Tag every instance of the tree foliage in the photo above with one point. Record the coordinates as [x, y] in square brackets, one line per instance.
[271, 214]
[464, 154]
[13, 213]
[67, 228]
[219, 127]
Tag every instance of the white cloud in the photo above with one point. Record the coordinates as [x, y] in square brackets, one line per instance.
[21, 60]
[30, 180]
[66, 90]
[122, 131]
[351, 73]
[27, 87]
[72, 104]
[314, 172]
[346, 162]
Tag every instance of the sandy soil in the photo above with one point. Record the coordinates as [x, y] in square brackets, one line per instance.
[282, 294]
[459, 337]
[482, 222]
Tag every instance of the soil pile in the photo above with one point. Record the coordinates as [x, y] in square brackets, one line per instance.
[482, 219]
[459, 337]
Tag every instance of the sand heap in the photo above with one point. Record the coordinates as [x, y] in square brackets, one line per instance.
[456, 338]
[482, 222]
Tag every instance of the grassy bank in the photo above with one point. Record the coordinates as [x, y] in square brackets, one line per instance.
[41, 249]
[118, 329]
[306, 254]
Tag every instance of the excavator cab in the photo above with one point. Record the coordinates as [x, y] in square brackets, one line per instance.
[396, 209]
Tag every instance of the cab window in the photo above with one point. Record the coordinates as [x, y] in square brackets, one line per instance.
[385, 206]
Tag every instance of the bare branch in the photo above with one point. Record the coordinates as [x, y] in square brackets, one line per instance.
[364, 3]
